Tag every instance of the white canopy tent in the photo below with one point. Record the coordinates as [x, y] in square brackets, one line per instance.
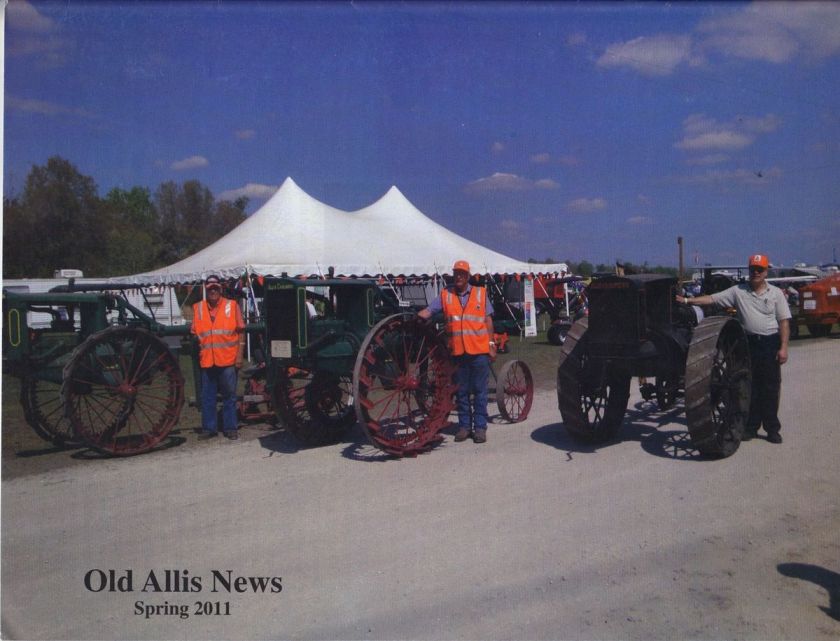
[297, 235]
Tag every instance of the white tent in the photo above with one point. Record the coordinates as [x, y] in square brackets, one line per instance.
[295, 234]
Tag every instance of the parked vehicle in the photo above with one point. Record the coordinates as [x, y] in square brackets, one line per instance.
[819, 305]
[635, 328]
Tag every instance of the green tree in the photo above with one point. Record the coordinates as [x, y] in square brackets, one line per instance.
[227, 215]
[133, 246]
[585, 268]
[57, 222]
[190, 219]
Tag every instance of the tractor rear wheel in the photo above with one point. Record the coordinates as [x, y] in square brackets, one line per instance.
[592, 394]
[315, 407]
[717, 386]
[514, 391]
[122, 391]
[403, 385]
[44, 410]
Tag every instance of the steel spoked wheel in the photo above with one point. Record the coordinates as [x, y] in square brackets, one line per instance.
[592, 394]
[514, 391]
[315, 407]
[122, 391]
[43, 408]
[403, 386]
[717, 388]
[667, 388]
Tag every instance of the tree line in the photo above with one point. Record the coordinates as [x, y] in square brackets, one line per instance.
[59, 220]
[586, 269]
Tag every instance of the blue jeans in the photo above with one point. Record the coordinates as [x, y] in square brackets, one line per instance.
[218, 380]
[471, 398]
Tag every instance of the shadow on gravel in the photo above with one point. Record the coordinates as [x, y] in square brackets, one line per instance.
[826, 579]
[52, 449]
[643, 423]
[92, 455]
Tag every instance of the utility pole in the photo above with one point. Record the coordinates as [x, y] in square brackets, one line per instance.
[680, 245]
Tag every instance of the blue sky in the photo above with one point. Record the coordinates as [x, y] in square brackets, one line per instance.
[575, 131]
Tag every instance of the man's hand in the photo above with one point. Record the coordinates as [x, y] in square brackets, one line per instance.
[492, 351]
[782, 355]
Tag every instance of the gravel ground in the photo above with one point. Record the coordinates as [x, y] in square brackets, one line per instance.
[529, 536]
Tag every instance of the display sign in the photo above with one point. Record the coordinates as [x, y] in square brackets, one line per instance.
[530, 308]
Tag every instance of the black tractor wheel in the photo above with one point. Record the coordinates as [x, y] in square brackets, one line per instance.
[717, 386]
[314, 407]
[592, 394]
[557, 333]
[43, 408]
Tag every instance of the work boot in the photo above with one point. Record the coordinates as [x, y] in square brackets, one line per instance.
[207, 435]
[774, 437]
[462, 435]
[232, 435]
[480, 436]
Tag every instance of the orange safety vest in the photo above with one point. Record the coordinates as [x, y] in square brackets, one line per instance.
[466, 326]
[218, 338]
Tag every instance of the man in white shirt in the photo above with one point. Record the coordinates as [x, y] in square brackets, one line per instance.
[765, 315]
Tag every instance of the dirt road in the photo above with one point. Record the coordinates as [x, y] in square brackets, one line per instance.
[529, 536]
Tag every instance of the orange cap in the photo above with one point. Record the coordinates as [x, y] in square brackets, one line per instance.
[759, 260]
[462, 265]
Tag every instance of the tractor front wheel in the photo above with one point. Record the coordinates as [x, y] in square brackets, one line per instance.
[514, 391]
[315, 407]
[592, 394]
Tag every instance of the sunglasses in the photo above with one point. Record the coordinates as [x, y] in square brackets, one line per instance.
[755, 269]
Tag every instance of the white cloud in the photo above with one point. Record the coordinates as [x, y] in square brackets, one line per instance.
[764, 125]
[657, 55]
[45, 108]
[644, 199]
[510, 225]
[252, 191]
[497, 147]
[640, 220]
[776, 32]
[193, 162]
[586, 205]
[508, 182]
[245, 134]
[22, 16]
[541, 159]
[715, 140]
[701, 133]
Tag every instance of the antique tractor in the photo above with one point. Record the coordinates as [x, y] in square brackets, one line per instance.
[634, 328]
[97, 372]
[358, 361]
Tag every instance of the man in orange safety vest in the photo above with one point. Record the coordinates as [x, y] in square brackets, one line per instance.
[469, 327]
[218, 325]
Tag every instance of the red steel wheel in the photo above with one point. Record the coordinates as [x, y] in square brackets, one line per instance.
[403, 385]
[514, 391]
[123, 391]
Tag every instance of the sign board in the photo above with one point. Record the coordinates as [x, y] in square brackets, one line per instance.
[529, 307]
